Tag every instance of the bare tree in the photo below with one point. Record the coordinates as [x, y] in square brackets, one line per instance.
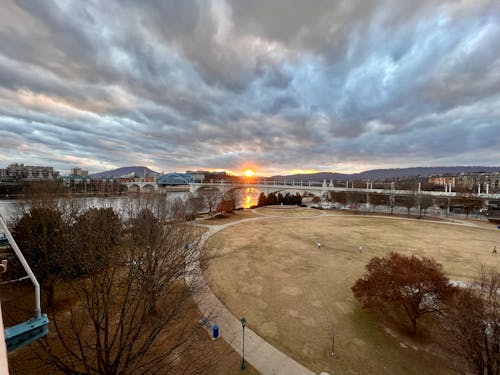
[472, 321]
[424, 202]
[231, 198]
[418, 285]
[408, 201]
[357, 198]
[194, 206]
[341, 197]
[132, 316]
[444, 204]
[212, 198]
[468, 203]
[377, 199]
[40, 233]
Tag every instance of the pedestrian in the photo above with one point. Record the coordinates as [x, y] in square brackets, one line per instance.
[494, 250]
[318, 244]
[360, 249]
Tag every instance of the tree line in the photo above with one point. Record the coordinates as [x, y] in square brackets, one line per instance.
[421, 201]
[273, 199]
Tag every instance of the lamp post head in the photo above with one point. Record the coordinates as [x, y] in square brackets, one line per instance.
[243, 322]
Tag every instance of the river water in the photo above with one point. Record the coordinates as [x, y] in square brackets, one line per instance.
[245, 198]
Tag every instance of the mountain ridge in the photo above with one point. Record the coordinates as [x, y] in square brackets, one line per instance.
[380, 174]
[372, 174]
[139, 171]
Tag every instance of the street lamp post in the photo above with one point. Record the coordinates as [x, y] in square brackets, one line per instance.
[333, 343]
[243, 324]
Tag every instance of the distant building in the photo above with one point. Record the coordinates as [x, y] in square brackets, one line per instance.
[198, 176]
[442, 180]
[76, 180]
[472, 180]
[207, 176]
[21, 172]
[79, 172]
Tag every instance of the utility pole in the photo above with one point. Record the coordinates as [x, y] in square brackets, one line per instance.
[243, 324]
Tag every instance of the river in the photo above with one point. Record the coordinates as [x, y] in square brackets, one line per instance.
[245, 198]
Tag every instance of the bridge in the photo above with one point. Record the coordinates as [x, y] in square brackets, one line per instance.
[322, 189]
[140, 186]
[165, 182]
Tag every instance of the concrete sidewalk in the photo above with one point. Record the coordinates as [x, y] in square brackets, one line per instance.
[264, 357]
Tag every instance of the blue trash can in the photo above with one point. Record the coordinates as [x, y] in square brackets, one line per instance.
[215, 330]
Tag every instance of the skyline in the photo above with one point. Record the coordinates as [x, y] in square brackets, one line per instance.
[278, 87]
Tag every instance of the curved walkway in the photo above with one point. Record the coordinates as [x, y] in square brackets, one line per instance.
[264, 357]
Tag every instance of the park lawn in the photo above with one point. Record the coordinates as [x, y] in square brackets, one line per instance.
[294, 294]
[228, 217]
[288, 211]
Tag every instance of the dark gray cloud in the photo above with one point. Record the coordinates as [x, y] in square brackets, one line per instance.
[286, 85]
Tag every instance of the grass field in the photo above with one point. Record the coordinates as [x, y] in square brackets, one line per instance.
[294, 294]
[227, 218]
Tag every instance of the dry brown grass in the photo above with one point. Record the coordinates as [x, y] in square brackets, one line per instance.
[288, 211]
[293, 294]
[227, 218]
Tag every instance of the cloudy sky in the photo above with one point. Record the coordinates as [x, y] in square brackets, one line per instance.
[282, 86]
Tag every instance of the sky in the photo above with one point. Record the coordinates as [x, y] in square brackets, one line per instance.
[278, 86]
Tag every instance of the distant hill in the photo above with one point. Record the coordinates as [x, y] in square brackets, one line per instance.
[382, 174]
[137, 170]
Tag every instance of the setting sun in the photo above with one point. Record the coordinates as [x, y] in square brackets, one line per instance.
[249, 173]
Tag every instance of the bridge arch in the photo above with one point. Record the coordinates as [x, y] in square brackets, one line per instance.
[205, 188]
[134, 188]
[291, 190]
[173, 179]
[148, 188]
